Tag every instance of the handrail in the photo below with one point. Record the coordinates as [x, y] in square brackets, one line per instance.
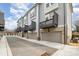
[46, 21]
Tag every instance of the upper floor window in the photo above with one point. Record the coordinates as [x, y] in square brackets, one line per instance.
[52, 3]
[24, 17]
[46, 18]
[32, 14]
[47, 5]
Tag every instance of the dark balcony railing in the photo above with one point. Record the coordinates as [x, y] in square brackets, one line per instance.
[25, 29]
[32, 27]
[50, 22]
[19, 29]
[1, 28]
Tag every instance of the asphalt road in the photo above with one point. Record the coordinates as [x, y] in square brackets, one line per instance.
[20, 47]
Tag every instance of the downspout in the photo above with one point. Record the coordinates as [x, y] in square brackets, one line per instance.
[65, 37]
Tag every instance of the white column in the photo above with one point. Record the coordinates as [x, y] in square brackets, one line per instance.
[69, 22]
[37, 21]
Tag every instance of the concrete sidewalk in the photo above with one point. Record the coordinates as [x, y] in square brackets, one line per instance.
[3, 51]
[4, 47]
[68, 51]
[46, 43]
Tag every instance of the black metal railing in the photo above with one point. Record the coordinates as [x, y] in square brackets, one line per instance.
[50, 22]
[1, 27]
[32, 27]
[25, 29]
[19, 29]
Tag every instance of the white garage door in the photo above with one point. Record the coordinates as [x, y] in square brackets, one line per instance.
[52, 36]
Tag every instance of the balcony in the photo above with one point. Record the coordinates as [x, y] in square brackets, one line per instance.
[1, 27]
[32, 27]
[19, 29]
[50, 22]
[25, 29]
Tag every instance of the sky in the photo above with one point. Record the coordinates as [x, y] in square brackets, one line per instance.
[75, 15]
[13, 11]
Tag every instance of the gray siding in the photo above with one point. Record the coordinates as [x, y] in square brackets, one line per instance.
[2, 18]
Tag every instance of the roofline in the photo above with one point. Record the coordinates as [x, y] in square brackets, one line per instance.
[19, 19]
[35, 6]
[27, 12]
[31, 8]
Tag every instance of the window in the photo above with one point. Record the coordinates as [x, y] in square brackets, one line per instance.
[46, 18]
[25, 20]
[51, 14]
[47, 5]
[52, 3]
[32, 14]
[24, 17]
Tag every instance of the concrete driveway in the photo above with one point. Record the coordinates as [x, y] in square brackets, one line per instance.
[20, 47]
[63, 50]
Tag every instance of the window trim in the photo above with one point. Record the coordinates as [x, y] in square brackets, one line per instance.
[47, 5]
[52, 3]
[46, 18]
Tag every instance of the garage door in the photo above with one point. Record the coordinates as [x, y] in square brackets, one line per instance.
[32, 36]
[52, 36]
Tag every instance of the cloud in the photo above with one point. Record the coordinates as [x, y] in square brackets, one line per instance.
[76, 10]
[75, 15]
[76, 5]
[10, 24]
[21, 6]
[16, 10]
[16, 13]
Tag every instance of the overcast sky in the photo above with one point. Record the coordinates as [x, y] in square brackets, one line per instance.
[14, 11]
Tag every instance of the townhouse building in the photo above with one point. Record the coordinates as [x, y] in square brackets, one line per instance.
[48, 21]
[2, 22]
